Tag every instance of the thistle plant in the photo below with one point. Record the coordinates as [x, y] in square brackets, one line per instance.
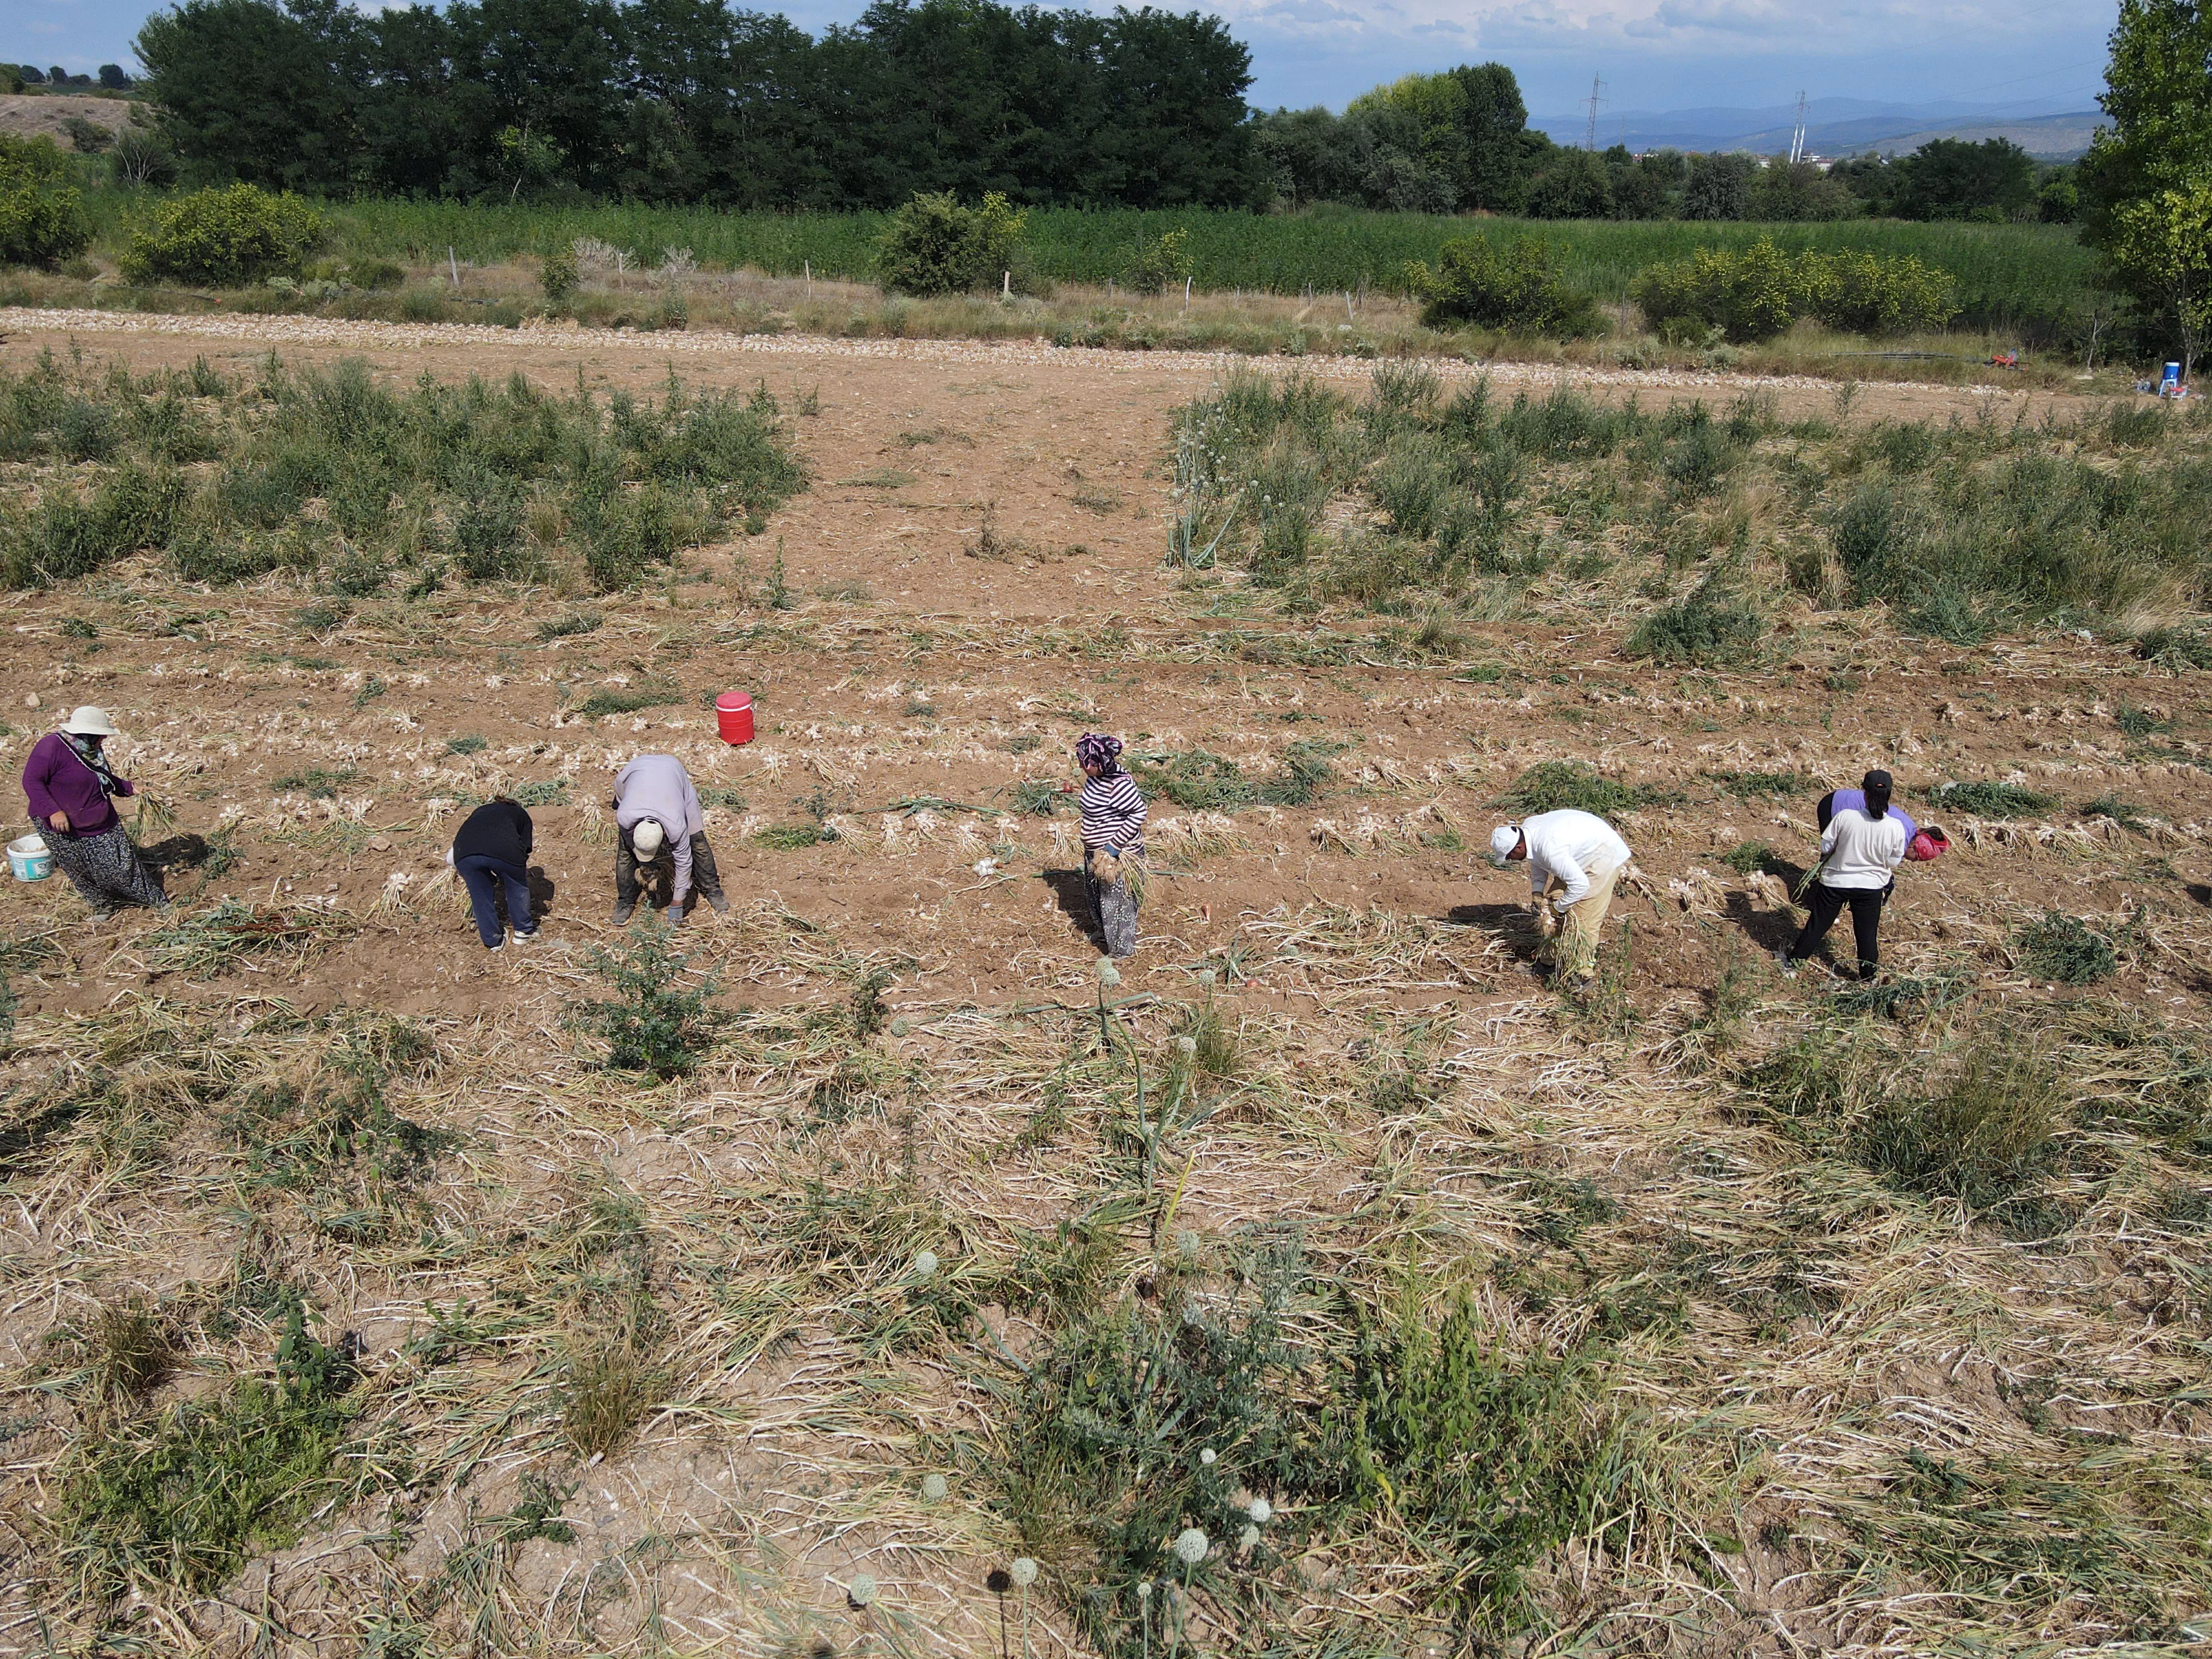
[1190, 1548]
[1024, 1572]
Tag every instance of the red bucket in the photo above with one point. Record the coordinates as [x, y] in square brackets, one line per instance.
[733, 713]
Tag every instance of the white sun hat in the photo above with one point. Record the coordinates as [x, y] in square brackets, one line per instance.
[1503, 840]
[646, 837]
[89, 722]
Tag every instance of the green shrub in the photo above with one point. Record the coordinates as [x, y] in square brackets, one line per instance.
[182, 1500]
[652, 1024]
[560, 276]
[935, 245]
[1515, 287]
[1869, 294]
[1751, 293]
[1550, 786]
[1159, 263]
[373, 274]
[1711, 626]
[224, 238]
[42, 219]
[2065, 950]
[1992, 800]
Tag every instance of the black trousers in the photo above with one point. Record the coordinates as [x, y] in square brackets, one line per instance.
[706, 879]
[1827, 903]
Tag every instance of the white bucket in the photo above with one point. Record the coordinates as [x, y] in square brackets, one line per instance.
[29, 858]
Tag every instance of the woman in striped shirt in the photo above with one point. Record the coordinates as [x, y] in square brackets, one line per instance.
[1113, 840]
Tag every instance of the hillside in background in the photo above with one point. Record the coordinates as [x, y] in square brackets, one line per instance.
[1835, 126]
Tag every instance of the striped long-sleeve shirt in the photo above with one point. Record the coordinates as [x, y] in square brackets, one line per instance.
[1113, 811]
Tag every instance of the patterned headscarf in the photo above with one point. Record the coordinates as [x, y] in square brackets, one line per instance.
[1095, 749]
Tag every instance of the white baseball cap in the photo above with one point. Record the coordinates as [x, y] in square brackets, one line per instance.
[1503, 840]
[646, 837]
[89, 722]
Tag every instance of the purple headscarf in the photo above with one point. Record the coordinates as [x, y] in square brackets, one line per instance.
[1095, 749]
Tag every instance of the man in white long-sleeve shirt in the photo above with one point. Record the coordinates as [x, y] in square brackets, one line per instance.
[657, 809]
[1572, 859]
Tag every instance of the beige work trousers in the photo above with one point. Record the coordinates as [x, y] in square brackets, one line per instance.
[1574, 946]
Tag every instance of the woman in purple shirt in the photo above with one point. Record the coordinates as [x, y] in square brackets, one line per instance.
[68, 785]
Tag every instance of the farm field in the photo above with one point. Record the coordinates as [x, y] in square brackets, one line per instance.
[2032, 279]
[1712, 1313]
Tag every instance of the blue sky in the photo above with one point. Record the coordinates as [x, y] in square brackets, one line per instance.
[2045, 56]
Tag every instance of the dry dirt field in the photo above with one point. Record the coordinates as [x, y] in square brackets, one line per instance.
[1857, 1418]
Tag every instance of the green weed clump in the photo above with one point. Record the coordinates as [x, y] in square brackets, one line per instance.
[1992, 800]
[654, 1022]
[1512, 287]
[495, 486]
[1711, 627]
[182, 1500]
[1552, 786]
[2065, 950]
[1203, 781]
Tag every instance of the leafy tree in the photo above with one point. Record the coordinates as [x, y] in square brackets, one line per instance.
[42, 219]
[1950, 178]
[1786, 192]
[1573, 184]
[112, 77]
[935, 245]
[2158, 92]
[250, 90]
[1647, 186]
[1718, 187]
[2163, 245]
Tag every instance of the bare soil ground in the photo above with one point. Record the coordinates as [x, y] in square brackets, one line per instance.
[30, 115]
[921, 662]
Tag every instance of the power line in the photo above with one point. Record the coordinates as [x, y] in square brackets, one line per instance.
[1589, 140]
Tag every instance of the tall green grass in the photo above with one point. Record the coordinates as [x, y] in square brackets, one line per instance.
[2028, 278]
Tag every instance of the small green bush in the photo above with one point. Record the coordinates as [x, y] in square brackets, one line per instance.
[1711, 626]
[375, 273]
[1756, 293]
[560, 275]
[935, 245]
[2065, 950]
[42, 219]
[224, 238]
[652, 1024]
[1869, 294]
[1159, 263]
[1550, 785]
[1991, 800]
[1516, 287]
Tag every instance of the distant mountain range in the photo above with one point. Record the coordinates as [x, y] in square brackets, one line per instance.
[1834, 127]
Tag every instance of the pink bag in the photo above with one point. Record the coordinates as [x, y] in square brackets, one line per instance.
[1930, 843]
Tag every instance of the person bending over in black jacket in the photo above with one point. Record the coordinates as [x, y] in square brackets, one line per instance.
[492, 850]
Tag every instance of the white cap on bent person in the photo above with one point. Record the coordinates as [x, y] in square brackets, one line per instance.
[89, 722]
[647, 836]
[1503, 840]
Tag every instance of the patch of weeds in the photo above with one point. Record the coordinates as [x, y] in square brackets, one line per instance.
[469, 744]
[879, 477]
[1037, 798]
[570, 626]
[1985, 1137]
[650, 1025]
[217, 940]
[1759, 785]
[537, 1513]
[2139, 723]
[790, 837]
[1912, 996]
[722, 795]
[2122, 812]
[2064, 950]
[1711, 627]
[1991, 800]
[183, 1500]
[542, 792]
[610, 1391]
[1550, 786]
[322, 616]
[371, 688]
[1755, 857]
[627, 699]
[1023, 743]
[2176, 648]
[317, 783]
[76, 628]
[1202, 781]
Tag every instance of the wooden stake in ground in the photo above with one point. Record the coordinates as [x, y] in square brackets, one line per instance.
[453, 266]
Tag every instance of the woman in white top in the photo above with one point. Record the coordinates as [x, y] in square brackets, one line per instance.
[1860, 851]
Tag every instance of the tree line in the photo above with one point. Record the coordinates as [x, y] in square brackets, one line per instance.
[689, 101]
[1460, 140]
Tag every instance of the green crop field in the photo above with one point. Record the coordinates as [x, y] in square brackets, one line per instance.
[2028, 277]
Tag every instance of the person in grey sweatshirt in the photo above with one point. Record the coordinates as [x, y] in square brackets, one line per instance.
[657, 818]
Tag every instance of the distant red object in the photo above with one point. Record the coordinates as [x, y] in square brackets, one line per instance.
[733, 713]
[2004, 360]
[1930, 843]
